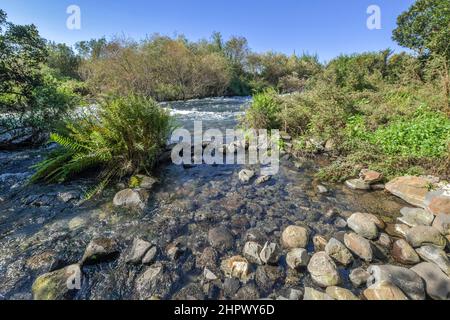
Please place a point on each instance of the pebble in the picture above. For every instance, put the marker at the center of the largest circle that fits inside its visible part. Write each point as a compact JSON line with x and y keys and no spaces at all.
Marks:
{"x":423,"y":235}
{"x":435,"y":255}
{"x":337,"y":250}
{"x":295,"y":237}
{"x":402,"y":252}
{"x":338,"y":293}
{"x":437,"y":284}
{"x":221,"y":238}
{"x":297,"y":258}
{"x":323,"y":270}
{"x":363,"y":225}
{"x":358,"y":277}
{"x":384,"y":291}
{"x":359,"y":246}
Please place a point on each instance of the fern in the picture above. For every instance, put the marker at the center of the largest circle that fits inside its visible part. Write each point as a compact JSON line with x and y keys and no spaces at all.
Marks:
{"x":124,"y":139}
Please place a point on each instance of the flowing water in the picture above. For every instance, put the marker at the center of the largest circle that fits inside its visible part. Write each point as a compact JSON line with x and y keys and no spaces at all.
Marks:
{"x":44,"y":228}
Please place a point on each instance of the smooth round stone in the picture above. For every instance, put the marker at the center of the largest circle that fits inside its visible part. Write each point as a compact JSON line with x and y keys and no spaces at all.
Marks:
{"x":359,"y":246}
{"x":402,"y":252}
{"x":384,"y":291}
{"x":246,"y":175}
{"x":295,"y":237}
{"x":99,"y":250}
{"x":363,"y":225}
{"x":131,"y":198}
{"x":338,"y":293}
{"x":323,"y":270}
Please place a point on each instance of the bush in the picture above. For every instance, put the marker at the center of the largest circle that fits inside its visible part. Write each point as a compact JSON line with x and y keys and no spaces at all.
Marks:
{"x":263,"y":112}
{"x":125,"y":138}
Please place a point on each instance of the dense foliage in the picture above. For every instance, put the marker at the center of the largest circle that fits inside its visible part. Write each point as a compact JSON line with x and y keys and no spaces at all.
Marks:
{"x":124,"y":138}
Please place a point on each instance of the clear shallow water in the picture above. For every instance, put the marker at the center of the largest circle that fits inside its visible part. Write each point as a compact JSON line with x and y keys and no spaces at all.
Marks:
{"x":187,"y":203}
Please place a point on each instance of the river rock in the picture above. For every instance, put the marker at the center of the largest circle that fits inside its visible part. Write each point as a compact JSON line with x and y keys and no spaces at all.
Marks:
{"x":323,"y":270}
{"x":248,"y":292}
{"x":359,"y":246}
{"x":295,"y":237}
{"x":384,"y":241}
{"x":231,"y":286}
{"x":322,"y":189}
{"x":237,"y":267}
{"x":131,"y":198}
{"x":270,"y":253}
{"x":370,"y":176}
{"x":408,"y":281}
{"x":338,"y":293}
{"x":262,"y":179}
{"x":363,"y":225}
{"x":402,"y":252}
{"x":358,"y":277}
{"x":208,"y":259}
{"x":384,"y":290}
{"x":297,"y":258}
{"x":337,"y":250}
{"x":438,"y":202}
{"x":357,"y":184}
{"x":99,"y":250}
{"x":267,"y":276}
{"x":401,"y":229}
{"x":150,"y":256}
{"x":209,"y":275}
{"x":246,"y":175}
{"x":437,"y":284}
{"x":313,"y":294}
{"x":320,"y":243}
{"x":422,"y":235}
{"x":146,"y":182}
{"x":221,"y":238}
{"x":154,"y":281}
{"x":409,"y":188}
{"x":138,"y":250}
{"x":61,"y":284}
{"x":435,"y":255}
{"x":414,"y":217}
{"x":251,"y":252}
{"x":442,"y":223}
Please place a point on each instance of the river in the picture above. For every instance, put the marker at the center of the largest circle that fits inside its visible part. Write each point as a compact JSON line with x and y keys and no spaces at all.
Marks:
{"x":44,"y":228}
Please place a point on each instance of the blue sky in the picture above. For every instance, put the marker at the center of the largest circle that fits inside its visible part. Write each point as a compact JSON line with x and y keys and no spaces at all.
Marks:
{"x":325,"y":27}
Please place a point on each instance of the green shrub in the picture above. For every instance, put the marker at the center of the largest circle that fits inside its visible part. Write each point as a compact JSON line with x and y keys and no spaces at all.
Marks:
{"x":263,"y":112}
{"x":125,"y":138}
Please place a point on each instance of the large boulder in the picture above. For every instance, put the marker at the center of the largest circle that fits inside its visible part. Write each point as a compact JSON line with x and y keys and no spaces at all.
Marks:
{"x":437,"y":284}
{"x":323,"y":270}
{"x":423,"y":235}
{"x":61,"y":284}
{"x":409,"y":188}
{"x":363,"y":225}
{"x":438,"y":202}
{"x":359,"y":246}
{"x":435,"y":255}
{"x":414,"y":217}
{"x":295,"y":237}
{"x":408,"y":281}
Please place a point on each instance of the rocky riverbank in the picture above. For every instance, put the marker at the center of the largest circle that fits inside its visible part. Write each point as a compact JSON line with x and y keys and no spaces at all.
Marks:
{"x":219,"y":232}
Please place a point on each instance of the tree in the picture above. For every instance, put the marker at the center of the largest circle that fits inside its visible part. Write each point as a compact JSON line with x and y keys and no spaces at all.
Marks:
{"x":22,"y":51}
{"x":425,"y":28}
{"x":63,"y":60}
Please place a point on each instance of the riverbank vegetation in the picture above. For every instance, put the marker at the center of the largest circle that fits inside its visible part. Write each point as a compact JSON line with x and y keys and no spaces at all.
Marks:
{"x":381,"y":110}
{"x":384,"y":111}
